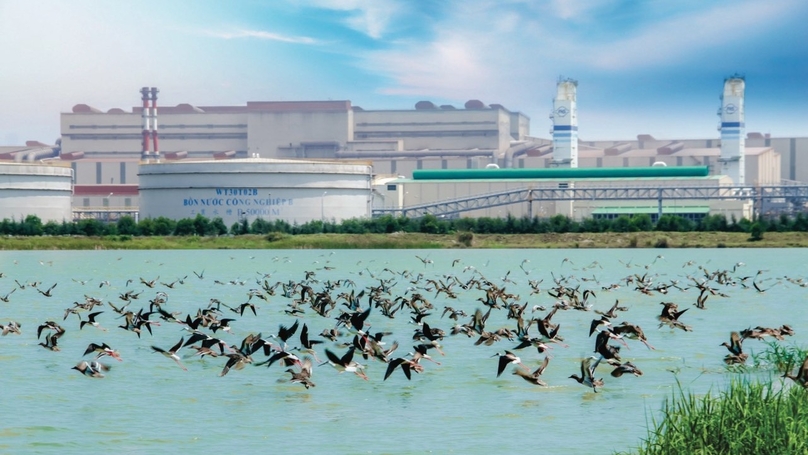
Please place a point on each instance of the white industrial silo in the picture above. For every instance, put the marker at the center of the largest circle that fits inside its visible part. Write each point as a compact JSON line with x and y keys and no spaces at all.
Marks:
{"x":732,"y":129}
{"x":565,"y":125}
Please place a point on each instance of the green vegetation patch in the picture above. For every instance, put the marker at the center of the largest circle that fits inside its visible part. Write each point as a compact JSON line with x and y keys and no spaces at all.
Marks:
{"x":747,"y":418}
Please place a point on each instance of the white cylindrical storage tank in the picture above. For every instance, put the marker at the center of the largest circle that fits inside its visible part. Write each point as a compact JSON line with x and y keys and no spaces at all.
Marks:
{"x":296,"y":191}
{"x":32,"y":189}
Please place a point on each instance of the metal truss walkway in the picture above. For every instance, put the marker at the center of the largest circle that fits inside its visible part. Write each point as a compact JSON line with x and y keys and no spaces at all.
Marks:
{"x":796,"y":196}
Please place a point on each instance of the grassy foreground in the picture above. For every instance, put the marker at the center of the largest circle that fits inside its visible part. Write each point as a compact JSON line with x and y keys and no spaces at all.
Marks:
{"x":415,"y":240}
{"x":747,"y":418}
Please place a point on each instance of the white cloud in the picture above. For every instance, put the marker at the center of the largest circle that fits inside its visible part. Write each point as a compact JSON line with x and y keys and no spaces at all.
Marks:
{"x":262,"y":35}
{"x":449,"y":67}
{"x":371,"y":17}
{"x":471,"y":54}
{"x":476,"y":49}
{"x":571,"y":9}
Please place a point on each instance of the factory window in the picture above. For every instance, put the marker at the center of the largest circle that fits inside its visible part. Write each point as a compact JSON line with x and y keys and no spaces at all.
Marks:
{"x":106,"y":202}
{"x":98,"y":173}
{"x":85,"y":202}
{"x":391,"y":187}
{"x":99,"y":127}
{"x":123,"y":173}
{"x":127,"y":202}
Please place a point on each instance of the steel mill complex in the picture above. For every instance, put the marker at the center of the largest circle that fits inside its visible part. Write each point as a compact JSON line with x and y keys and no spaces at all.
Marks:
{"x":307,"y":160}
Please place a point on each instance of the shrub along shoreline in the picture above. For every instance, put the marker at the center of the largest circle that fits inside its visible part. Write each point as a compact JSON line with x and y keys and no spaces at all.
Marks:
{"x":389,"y":232}
{"x":408,"y":241}
{"x":428,"y":224}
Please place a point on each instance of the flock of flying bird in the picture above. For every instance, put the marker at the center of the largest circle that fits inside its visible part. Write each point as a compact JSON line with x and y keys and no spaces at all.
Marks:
{"x":349,"y":342}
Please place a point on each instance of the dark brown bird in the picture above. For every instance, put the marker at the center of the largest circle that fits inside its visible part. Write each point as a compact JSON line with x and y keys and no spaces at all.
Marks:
{"x":304,"y":375}
{"x":93,"y":369}
{"x":632,"y":332}
{"x":607,"y":351}
{"x":736,"y":354}
{"x":51,"y":341}
{"x":801,"y":377}
{"x":47,"y":293}
{"x":626,"y":368}
{"x":534,"y":377}
{"x":587,"y":377}
{"x":670,"y":316}
{"x":235,"y":361}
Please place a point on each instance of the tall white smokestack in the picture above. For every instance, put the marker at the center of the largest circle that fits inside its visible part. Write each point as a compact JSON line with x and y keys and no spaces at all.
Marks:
{"x":565,"y":125}
{"x":154,"y":92}
{"x":732,"y":129}
{"x":144,"y":120}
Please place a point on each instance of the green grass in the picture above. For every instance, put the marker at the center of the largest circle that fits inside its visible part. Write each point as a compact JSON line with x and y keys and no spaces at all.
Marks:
{"x":779,"y":357}
{"x":746,"y":418}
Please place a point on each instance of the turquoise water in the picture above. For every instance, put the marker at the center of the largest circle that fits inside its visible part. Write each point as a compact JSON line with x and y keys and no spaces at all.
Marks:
{"x":146,"y":403}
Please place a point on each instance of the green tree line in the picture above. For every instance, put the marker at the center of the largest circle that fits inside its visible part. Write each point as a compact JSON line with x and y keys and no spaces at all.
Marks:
{"x":429,"y":224}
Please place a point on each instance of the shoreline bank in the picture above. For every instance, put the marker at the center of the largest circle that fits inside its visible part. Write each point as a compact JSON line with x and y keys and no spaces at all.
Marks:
{"x":402,"y":240}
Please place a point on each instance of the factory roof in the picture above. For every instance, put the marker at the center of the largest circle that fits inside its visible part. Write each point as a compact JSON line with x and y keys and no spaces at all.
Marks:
{"x":711,"y":179}
{"x":257,"y":161}
{"x":561,"y":173}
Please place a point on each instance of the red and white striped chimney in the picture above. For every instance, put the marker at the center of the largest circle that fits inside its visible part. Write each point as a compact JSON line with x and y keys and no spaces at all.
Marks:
{"x":154,"y":92}
{"x":144,"y":117}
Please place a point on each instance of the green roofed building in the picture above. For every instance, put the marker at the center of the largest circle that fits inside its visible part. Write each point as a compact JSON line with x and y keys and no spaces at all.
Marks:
{"x":429,"y":186}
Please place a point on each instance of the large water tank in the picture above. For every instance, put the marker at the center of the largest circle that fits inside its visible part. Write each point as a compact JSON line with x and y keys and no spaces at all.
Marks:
{"x":296,"y":191}
{"x":36,"y":189}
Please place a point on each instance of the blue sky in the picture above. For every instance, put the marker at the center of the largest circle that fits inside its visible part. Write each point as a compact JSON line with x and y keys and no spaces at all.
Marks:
{"x":643,"y":67}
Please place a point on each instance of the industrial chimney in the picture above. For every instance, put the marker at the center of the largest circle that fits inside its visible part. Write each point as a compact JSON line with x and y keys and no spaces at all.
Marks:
{"x":144,"y":117}
{"x":154,"y":92}
{"x":732,"y":129}
{"x":565,"y":125}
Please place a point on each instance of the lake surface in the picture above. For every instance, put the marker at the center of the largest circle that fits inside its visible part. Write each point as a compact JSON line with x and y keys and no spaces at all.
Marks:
{"x":147,"y":404}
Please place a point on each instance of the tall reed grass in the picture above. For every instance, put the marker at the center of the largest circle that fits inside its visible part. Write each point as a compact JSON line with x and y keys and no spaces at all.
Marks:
{"x":779,"y":357}
{"x":749,"y":417}
{"x":746,"y":418}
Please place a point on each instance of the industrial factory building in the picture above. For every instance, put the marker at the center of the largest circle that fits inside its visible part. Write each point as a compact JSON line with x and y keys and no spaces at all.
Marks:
{"x":502,"y":186}
{"x":125,"y":159}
